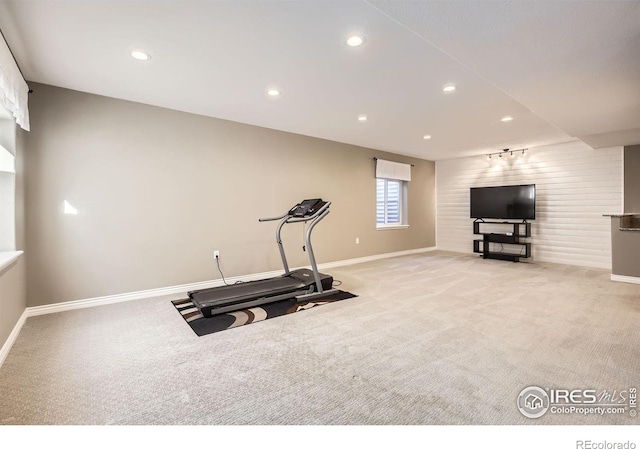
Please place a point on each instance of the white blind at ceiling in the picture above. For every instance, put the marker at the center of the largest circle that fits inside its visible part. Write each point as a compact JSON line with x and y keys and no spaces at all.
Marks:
{"x":14,"y":91}
{"x":393,"y":170}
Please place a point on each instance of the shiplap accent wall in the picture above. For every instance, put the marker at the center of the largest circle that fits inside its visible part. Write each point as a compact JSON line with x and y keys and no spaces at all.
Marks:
{"x":575,"y":185}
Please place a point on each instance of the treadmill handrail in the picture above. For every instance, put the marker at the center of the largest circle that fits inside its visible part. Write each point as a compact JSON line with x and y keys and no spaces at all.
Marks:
{"x":314,"y":218}
{"x":273,"y":218}
{"x":312,"y":258}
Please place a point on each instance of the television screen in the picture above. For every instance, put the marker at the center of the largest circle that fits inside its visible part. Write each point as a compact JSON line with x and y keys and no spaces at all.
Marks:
{"x":505,"y":202}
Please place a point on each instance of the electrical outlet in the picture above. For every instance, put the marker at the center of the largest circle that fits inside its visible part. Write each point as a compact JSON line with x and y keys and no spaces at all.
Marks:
{"x":216,"y":254}
{"x":357,"y":240}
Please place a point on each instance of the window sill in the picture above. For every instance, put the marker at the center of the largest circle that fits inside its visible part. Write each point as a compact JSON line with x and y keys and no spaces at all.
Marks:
{"x":7,"y":258}
{"x":390,"y":227}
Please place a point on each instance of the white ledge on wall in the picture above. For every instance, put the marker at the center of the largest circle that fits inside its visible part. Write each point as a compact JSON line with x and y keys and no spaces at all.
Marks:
{"x":390,"y":227}
{"x":7,"y":258}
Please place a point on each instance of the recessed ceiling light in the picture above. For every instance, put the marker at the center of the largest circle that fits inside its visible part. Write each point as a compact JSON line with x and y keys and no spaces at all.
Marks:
{"x":362,"y":118}
{"x":140,"y":55}
{"x":508,"y":118}
{"x":273,"y":92}
{"x":426,"y":137}
{"x":449,"y":88}
{"x":355,"y":40}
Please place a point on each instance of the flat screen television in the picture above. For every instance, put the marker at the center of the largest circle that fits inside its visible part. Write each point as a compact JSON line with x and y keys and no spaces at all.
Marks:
{"x":504,"y":202}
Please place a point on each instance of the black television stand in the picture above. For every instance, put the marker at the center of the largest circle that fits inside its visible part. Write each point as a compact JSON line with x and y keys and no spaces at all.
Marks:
{"x":503,"y":233}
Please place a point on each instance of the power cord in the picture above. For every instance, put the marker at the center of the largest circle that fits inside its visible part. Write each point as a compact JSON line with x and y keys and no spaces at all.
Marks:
{"x":221,"y":274}
{"x":220,"y":270}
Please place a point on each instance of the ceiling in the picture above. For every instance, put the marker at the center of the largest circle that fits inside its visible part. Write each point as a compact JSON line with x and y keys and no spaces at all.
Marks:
{"x":562,"y":70}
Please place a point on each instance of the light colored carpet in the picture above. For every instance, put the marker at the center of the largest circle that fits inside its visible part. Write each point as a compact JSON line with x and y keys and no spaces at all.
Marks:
{"x":436,"y":338}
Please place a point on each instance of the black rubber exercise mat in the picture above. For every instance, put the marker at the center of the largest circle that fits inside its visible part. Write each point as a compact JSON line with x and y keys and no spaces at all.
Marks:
{"x":203,"y":326}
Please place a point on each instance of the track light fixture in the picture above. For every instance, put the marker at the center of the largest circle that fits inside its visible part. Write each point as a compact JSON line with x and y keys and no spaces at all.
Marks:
{"x":505,"y":151}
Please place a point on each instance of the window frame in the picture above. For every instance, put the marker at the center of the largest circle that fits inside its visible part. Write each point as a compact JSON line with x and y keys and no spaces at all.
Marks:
{"x":403,"y":222}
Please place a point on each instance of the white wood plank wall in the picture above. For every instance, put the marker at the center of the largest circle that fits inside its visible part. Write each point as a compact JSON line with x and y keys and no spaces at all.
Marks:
{"x":575,"y":185}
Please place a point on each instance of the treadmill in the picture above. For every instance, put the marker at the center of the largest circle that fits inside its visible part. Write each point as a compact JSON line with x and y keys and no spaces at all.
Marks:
{"x":302,"y":284}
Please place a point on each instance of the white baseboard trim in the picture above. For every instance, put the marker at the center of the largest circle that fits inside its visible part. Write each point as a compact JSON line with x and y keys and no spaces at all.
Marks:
{"x":343,"y":263}
{"x":576,"y":263}
{"x":123,"y":297}
{"x":6,"y":347}
{"x":627,"y":279}
{"x":184,"y":288}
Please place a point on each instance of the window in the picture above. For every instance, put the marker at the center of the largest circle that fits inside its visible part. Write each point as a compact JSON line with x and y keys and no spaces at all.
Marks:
{"x":387,"y":202}
{"x":390,"y":203}
{"x":7,"y":189}
{"x":392,"y":180}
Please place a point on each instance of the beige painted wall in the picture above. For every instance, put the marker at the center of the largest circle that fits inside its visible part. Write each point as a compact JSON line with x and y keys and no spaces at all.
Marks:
{"x":13,"y":296}
{"x":625,"y":245}
{"x":626,"y":250}
{"x":158,"y":190}
{"x":632,"y":179}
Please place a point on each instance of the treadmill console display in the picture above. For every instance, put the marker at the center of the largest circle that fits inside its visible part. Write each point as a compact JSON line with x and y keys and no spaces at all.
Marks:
{"x":306,"y":207}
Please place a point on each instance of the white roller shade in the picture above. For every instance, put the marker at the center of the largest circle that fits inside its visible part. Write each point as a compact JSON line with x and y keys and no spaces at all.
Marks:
{"x":393,"y":170}
{"x":14,"y":91}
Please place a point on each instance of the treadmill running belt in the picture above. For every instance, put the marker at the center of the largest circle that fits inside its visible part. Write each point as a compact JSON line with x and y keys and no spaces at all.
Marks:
{"x":241,"y":292}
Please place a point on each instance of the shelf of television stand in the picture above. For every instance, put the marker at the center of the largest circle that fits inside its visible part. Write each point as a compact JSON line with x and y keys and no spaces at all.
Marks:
{"x":511,"y":236}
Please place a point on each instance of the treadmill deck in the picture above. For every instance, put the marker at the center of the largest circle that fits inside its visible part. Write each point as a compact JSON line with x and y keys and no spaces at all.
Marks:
{"x":224,"y":298}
